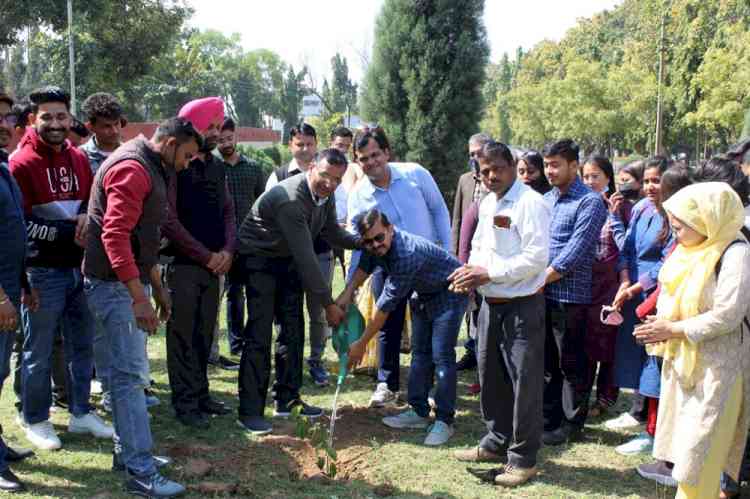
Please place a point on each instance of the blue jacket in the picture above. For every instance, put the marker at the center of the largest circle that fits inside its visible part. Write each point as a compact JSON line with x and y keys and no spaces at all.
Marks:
{"x":12,"y":235}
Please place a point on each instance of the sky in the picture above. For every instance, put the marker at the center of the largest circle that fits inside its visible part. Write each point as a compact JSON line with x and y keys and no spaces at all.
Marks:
{"x":305,"y":32}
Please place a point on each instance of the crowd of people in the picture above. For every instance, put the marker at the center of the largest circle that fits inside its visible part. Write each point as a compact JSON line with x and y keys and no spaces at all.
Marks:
{"x":575,"y":280}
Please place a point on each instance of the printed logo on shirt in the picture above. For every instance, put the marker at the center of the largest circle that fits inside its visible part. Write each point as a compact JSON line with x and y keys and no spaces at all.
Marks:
{"x":41,"y":232}
{"x":62,"y":180}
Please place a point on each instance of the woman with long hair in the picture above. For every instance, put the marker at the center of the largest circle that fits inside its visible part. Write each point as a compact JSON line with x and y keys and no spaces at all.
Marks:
{"x":530,"y":168}
{"x":598,"y":174}
{"x":647,"y":242}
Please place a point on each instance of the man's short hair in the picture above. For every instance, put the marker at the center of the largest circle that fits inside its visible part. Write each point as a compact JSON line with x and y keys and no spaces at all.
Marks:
{"x":332,"y":156}
{"x":101,"y":105}
{"x":369,"y":219}
{"x":341,"y":131}
{"x":79,"y":128}
{"x":565,"y":148}
{"x":48,"y":94}
{"x":6,"y":98}
{"x":303,"y":129}
{"x":179,"y":128}
{"x":493,"y":152}
{"x":22,"y":110}
{"x":228,"y":125}
{"x":377,"y":134}
{"x":480,"y":139}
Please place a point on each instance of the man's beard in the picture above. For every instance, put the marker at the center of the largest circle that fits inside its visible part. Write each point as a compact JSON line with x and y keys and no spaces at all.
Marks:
{"x":46,"y":135}
{"x":208,"y":146}
{"x":227,"y":152}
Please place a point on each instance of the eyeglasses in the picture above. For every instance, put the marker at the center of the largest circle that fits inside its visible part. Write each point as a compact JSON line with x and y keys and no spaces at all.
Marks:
{"x":377,"y":239}
{"x":11,"y":119}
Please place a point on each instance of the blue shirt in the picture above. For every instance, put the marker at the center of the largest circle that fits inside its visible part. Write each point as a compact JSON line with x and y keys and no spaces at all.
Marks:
{"x":643,"y":254}
{"x":12,"y":235}
{"x":414,"y":264}
{"x":412,"y":202}
{"x":577,"y":220}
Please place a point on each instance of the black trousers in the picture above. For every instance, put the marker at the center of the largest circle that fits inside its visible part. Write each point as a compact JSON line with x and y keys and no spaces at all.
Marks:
{"x":567,"y":391}
{"x":273,"y":289}
{"x":510,"y":353}
{"x":195,"y":305}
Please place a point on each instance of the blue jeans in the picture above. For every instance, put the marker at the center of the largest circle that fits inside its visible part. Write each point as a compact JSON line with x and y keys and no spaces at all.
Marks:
{"x":433,"y":351}
{"x":113,"y":309}
{"x":7,"y":339}
{"x":63,"y":303}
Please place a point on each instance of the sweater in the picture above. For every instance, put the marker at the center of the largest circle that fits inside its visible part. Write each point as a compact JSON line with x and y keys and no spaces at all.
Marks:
{"x":55,"y":187}
{"x":284,"y":221}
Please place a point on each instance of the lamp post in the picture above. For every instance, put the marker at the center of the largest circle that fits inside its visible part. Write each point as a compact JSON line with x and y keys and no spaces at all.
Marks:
{"x":71,"y":56}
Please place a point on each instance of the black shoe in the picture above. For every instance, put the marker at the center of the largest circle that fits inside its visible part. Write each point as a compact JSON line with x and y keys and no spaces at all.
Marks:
{"x":561,"y":435}
{"x":16,"y":455}
{"x":214,"y":407}
{"x":256,"y":425}
{"x":10,"y":482}
{"x":659,"y":471}
{"x":196,"y":420}
{"x":468,"y":362}
{"x":284,"y":410}
{"x":226,"y":364}
{"x":159,"y":462}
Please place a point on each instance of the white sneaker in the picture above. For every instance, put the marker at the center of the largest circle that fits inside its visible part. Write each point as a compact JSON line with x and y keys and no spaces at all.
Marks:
{"x":407,"y":420}
{"x":439,"y":433}
{"x":96,"y":386}
{"x":622,"y":422}
{"x":90,"y":423}
{"x":42,"y":435}
{"x":641,"y":444}
{"x":382,"y":396}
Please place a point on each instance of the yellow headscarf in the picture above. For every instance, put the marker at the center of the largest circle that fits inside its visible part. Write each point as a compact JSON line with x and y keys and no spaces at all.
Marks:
{"x":714,"y":210}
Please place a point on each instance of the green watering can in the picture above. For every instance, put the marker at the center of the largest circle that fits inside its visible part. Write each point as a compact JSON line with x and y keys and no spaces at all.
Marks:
{"x":349,"y":331}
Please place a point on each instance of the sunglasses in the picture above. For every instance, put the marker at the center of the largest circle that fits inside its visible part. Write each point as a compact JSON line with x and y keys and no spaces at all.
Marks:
{"x":610,"y":316}
{"x":377,"y":239}
{"x":11,"y":119}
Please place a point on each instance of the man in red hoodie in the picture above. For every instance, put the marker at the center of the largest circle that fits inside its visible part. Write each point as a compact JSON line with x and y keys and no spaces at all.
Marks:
{"x":55,"y":179}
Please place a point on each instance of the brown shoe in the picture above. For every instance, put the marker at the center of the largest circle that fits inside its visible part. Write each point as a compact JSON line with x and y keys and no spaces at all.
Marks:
{"x":514,"y":476}
{"x":477,"y":454}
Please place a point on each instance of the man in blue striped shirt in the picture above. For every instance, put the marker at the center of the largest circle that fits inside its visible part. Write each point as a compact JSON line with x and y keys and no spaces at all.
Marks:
{"x":408,"y":195}
{"x":578,"y":214}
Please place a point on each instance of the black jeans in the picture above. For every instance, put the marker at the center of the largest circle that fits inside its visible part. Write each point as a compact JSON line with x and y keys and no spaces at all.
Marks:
{"x":235,"y":285}
{"x":190,"y":330}
{"x":510,"y":353}
{"x":273,"y":289}
{"x":566,"y":394}
{"x":389,"y":337}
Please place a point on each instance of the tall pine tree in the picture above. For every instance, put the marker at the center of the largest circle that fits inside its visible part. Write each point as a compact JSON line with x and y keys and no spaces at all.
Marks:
{"x":424,"y":84}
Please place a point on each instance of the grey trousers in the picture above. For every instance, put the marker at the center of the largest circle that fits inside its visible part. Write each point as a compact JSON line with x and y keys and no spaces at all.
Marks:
{"x":510,"y":355}
{"x":319,"y":330}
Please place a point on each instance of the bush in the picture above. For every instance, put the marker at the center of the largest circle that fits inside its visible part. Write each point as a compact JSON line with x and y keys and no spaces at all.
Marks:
{"x":260,"y":157}
{"x":273,"y":153}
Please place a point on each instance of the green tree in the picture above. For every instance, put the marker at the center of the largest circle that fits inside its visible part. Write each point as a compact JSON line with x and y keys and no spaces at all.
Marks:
{"x":426,"y":79}
{"x":291,"y":99}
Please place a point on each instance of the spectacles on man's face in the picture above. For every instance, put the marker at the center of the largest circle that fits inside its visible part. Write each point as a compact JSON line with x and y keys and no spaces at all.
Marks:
{"x":377,"y":239}
{"x":10,"y":119}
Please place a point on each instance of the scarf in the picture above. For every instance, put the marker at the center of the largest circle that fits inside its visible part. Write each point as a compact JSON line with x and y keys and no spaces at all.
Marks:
{"x":714,"y":210}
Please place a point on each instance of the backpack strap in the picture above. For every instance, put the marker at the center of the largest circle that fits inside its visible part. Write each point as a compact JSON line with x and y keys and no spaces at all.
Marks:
{"x":745,"y":320}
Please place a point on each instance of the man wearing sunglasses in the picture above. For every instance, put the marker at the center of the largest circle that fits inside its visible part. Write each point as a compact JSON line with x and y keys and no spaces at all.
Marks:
{"x":417,"y":270}
{"x":508,"y":259}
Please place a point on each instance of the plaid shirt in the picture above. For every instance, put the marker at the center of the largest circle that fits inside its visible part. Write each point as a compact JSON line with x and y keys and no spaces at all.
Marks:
{"x":577,"y":220}
{"x":417,"y":267}
{"x":246,"y":183}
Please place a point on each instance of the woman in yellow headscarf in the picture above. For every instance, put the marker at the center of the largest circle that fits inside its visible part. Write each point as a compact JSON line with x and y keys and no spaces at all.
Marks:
{"x":705,"y":286}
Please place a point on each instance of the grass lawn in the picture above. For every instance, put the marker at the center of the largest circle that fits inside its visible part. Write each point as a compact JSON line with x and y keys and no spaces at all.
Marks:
{"x":373,"y":461}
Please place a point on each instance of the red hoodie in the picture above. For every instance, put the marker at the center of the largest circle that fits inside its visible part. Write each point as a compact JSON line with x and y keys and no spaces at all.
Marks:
{"x":56,"y":187}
